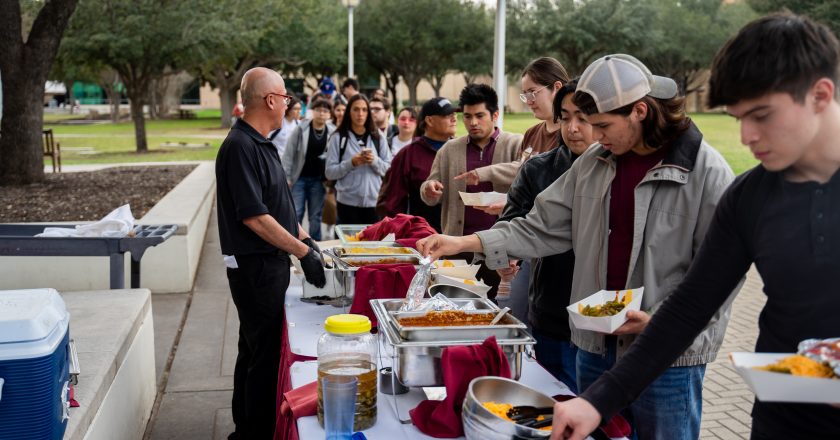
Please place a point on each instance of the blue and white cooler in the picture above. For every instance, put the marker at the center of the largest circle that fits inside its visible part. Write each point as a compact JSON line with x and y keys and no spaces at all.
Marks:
{"x":34,"y":364}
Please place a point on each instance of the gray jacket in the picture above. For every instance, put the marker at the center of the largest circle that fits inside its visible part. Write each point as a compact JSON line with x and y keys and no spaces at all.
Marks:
{"x":295,"y":154}
{"x":357,"y":186}
{"x":674,"y":204}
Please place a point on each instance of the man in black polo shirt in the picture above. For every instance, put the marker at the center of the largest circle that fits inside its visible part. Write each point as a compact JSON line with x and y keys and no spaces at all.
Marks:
{"x":258,"y":230}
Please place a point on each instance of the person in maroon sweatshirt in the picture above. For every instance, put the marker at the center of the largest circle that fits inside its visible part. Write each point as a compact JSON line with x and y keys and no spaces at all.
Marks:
{"x":400,"y":192}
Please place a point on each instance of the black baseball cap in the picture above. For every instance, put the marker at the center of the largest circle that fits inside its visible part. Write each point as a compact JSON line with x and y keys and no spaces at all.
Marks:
{"x":437,"y":107}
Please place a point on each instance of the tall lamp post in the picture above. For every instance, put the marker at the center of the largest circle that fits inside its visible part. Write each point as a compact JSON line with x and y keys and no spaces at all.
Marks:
{"x":350,"y":4}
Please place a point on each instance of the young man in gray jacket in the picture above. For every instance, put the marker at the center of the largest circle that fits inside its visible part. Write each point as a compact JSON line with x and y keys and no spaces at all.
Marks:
{"x":304,"y":161}
{"x":634,"y":208}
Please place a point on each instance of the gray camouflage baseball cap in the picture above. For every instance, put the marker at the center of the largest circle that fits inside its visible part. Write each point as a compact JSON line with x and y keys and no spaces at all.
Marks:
{"x":617,"y":80}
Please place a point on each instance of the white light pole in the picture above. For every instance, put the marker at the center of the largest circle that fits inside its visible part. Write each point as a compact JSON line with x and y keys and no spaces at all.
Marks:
{"x":499,"y":79}
{"x":350,"y":4}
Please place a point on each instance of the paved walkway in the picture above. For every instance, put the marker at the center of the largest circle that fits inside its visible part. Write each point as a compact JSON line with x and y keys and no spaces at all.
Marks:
{"x":202,"y":326}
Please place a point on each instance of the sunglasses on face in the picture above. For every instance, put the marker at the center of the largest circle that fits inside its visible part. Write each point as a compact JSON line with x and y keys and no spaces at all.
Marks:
{"x":407,"y":119}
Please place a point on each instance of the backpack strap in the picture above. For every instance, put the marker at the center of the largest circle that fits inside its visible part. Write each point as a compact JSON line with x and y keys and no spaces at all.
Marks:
{"x":342,"y":146}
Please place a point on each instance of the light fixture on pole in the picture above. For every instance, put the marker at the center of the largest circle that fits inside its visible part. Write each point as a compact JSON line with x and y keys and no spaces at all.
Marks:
{"x":350,"y":5}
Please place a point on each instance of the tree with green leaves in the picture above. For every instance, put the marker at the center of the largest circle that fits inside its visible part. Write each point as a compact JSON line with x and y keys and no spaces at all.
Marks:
{"x":688,"y":34}
{"x":576,"y":32}
{"x":824,"y":11}
{"x":30,"y":33}
{"x":416,"y":40}
{"x":141,"y":40}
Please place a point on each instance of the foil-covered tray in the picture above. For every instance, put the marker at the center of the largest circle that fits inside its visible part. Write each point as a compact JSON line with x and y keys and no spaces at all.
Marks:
{"x":418,"y":363}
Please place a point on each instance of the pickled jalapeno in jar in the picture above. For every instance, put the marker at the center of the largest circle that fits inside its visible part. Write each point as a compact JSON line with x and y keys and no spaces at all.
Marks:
{"x":347,"y":348}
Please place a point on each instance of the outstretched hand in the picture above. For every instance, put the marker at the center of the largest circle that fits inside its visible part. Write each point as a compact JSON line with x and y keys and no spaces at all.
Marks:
{"x":438,"y":245}
{"x":470,"y":177}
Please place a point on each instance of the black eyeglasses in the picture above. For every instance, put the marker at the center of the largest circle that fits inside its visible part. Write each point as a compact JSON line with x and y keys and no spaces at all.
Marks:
{"x":286,"y":98}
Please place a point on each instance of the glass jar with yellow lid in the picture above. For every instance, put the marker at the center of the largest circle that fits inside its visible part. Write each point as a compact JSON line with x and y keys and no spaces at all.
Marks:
{"x":347,"y":348}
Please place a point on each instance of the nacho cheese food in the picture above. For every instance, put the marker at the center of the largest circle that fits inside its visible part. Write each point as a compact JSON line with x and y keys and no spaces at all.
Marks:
{"x":815,"y":358}
{"x":609,"y":308}
{"x":501,"y":410}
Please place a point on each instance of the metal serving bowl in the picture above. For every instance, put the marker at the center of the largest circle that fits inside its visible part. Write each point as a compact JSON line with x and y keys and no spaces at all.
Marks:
{"x":480,"y":423}
{"x":451,"y":291}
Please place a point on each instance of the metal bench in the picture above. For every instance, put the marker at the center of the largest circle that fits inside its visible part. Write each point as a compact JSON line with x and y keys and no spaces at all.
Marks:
{"x":20,"y":240}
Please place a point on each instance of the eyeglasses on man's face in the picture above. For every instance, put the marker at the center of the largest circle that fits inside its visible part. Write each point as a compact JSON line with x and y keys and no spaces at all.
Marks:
{"x":286,"y":98}
{"x":530,"y":96}
{"x":377,"y":109}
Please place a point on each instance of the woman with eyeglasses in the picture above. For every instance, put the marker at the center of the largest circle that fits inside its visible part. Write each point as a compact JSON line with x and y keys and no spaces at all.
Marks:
{"x":406,"y":123}
{"x":541,"y":80}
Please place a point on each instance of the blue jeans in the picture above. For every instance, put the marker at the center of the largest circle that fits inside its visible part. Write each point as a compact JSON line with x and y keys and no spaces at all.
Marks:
{"x":670,"y":407}
{"x":310,"y":191}
{"x":558,"y":357}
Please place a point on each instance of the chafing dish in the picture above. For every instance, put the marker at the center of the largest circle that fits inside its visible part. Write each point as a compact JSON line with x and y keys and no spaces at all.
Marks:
{"x":344,"y":275}
{"x":351,"y":250}
{"x":509,"y":328}
{"x":417,"y":362}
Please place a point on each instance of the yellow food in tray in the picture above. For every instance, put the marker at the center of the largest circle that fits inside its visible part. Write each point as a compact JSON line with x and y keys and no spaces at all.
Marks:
{"x":383,"y":250}
{"x":501,"y":410}
{"x":799,"y":365}
{"x":355,"y":237}
{"x":609,"y":308}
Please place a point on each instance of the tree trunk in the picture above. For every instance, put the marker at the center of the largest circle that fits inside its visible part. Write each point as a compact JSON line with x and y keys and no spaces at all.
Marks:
{"x":21,"y":150}
{"x":437,"y":83}
{"x":109,"y":81}
{"x":227,"y":96}
{"x":136,"y":103}
{"x":152,"y":99}
{"x":25,"y":67}
{"x":68,"y":97}
{"x":391,"y":85}
{"x":412,"y":81}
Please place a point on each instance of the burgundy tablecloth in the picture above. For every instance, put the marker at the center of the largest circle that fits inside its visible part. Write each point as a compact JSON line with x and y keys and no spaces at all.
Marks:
{"x":286,"y":427}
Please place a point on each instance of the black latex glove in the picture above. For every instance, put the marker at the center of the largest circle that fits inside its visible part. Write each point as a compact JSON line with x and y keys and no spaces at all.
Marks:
{"x":311,"y":243}
{"x":313,"y":269}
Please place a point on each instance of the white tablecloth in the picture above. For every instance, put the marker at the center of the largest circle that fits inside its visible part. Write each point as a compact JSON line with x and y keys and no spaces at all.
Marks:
{"x":306,"y":324}
{"x":387,"y":424}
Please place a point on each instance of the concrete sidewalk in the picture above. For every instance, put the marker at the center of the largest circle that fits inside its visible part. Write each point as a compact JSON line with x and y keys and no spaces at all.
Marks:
{"x":199,"y":330}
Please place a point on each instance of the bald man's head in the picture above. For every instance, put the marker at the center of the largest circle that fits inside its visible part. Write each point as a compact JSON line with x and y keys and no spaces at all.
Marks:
{"x":258,"y":82}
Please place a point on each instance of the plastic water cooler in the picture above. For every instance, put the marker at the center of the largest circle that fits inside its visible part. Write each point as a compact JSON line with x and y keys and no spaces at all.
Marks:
{"x":34,"y":365}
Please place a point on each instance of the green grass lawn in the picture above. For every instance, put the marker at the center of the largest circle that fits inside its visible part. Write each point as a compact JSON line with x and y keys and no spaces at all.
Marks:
{"x":114,"y":143}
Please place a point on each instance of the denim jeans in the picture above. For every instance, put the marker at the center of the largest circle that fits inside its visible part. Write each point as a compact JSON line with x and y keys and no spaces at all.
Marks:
{"x":309,"y":191}
{"x":669,"y":408}
{"x":558,"y":357}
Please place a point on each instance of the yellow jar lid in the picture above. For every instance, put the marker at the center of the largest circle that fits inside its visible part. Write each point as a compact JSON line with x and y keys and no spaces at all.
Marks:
{"x":347,"y":324}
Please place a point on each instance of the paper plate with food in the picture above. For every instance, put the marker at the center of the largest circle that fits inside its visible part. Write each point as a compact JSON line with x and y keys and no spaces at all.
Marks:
{"x":811,"y":375}
{"x":606,"y":310}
